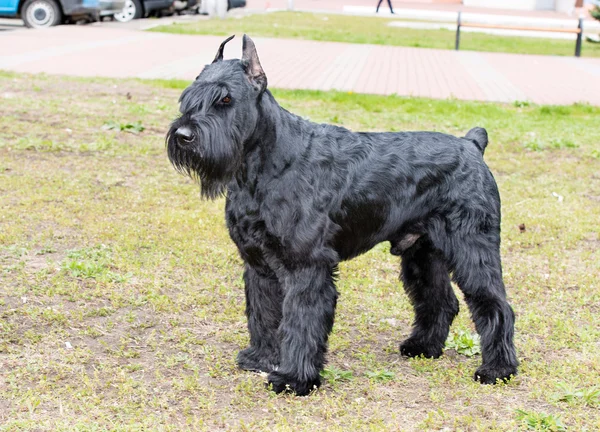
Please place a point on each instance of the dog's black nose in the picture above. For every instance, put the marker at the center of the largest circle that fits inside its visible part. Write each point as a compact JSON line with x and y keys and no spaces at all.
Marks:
{"x":184,"y":135}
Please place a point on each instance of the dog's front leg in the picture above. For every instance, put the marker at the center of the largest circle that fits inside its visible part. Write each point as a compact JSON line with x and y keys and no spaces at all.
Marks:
{"x":264,"y":298}
{"x":308,"y":313}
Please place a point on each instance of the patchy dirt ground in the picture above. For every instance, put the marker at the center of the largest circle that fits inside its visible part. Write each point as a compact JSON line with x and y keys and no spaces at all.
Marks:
{"x":121,"y":299}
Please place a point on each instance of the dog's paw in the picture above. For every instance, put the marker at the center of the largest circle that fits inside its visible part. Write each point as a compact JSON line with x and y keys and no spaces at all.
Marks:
{"x":279,"y":383}
{"x":413,"y":348}
{"x":251,"y":360}
{"x":488,"y":375}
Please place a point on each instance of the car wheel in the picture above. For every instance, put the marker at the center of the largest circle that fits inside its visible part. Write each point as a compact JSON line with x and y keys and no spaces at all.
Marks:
{"x":132,"y":10}
{"x":41,"y":13}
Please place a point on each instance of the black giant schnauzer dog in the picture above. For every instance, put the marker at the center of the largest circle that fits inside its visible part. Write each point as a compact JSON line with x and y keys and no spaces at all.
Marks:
{"x":301,"y":197}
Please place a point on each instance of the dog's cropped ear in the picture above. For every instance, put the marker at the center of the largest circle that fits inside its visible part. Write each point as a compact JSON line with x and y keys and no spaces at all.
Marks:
{"x":254,"y":70}
{"x":219,"y":56}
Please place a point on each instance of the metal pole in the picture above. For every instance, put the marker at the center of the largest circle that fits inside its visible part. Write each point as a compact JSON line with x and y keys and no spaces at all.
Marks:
{"x":291,"y":5}
{"x":457,"y":44}
{"x":579,"y":38}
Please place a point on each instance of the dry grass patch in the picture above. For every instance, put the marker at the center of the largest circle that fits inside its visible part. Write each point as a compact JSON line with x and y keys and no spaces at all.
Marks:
{"x":121,"y":299}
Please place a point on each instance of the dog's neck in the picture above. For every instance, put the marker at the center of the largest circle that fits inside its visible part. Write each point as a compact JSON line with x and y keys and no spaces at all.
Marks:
{"x":278,"y":131}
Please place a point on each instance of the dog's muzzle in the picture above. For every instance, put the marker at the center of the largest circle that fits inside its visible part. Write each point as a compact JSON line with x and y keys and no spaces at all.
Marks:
{"x":184,"y":136}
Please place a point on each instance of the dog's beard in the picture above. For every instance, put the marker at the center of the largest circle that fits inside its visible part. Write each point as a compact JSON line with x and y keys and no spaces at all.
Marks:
{"x":211,"y":160}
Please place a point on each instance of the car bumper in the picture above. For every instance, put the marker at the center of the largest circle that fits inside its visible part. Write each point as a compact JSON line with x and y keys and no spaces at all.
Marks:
{"x":151,"y":5}
{"x":80,"y":7}
{"x":111,"y":7}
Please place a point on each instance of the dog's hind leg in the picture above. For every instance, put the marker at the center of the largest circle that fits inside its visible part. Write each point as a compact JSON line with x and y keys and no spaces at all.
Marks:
{"x":426,"y":281}
{"x":264,"y":299}
{"x":478,"y":273}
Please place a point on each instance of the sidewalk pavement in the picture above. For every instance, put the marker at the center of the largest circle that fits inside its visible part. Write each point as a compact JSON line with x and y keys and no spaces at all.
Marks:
{"x":298,"y":64}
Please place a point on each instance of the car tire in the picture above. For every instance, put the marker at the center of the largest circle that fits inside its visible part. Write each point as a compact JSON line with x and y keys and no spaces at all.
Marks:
{"x":133,"y":10}
{"x":41,"y":13}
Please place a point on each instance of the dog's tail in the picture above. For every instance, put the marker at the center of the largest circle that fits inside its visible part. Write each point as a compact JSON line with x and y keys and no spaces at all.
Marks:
{"x":479,"y":137}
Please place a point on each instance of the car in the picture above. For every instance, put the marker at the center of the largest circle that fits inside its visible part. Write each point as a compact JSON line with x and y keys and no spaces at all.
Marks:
{"x":191,"y":7}
{"x":47,"y":13}
{"x":205,"y":6}
{"x":111,"y":7}
{"x":135,"y":9}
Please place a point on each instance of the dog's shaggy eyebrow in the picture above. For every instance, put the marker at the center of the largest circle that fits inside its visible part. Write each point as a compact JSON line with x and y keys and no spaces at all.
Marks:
{"x":202,"y":95}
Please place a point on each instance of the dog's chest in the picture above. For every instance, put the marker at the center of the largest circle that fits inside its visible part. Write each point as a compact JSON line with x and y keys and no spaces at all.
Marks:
{"x":246,"y":226}
{"x":270,"y":226}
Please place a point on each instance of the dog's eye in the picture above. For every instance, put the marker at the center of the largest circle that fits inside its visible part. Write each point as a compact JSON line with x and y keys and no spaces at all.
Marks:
{"x":226,"y":100}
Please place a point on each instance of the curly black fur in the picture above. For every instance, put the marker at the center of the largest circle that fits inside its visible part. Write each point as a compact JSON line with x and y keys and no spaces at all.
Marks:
{"x":301,"y":197}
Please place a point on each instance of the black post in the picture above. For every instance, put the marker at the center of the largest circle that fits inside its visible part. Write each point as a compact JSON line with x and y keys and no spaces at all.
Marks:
{"x":579,"y":38}
{"x":457,"y":45}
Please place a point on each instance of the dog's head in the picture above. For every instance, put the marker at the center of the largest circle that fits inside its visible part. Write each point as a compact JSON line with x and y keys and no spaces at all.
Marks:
{"x":219,"y":113}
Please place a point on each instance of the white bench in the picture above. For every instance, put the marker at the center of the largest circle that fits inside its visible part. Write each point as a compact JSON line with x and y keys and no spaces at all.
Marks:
{"x":578,"y":31}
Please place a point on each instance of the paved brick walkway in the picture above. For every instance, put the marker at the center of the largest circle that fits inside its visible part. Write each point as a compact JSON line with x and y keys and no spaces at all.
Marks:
{"x":115,"y":52}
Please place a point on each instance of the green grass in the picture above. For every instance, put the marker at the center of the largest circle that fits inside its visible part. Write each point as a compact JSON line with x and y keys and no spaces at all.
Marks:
{"x":587,"y":396}
{"x":464,"y":342}
{"x":372,"y":30}
{"x":122,"y":302}
{"x":541,"y":421}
